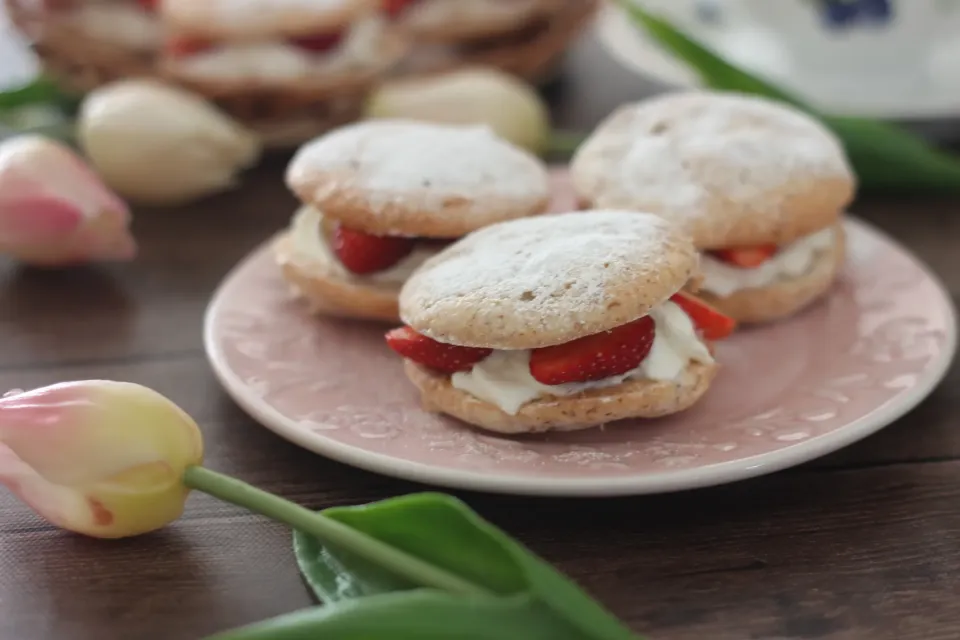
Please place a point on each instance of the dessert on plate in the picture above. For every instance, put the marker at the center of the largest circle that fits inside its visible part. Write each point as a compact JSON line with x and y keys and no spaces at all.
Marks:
{"x":382,"y":196}
{"x":87,"y":43}
{"x":560,"y":322}
{"x":288,"y":68}
{"x":524,"y":37}
{"x":760,"y":186}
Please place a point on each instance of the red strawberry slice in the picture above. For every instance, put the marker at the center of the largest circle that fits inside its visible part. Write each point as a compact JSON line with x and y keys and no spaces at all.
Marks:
{"x":319,"y":43}
{"x":746,"y":257}
{"x":182,"y":46}
{"x":363,"y":253}
{"x":595,"y":357}
{"x":149,"y":5}
{"x":712,"y":324}
{"x":394,"y":8}
{"x":445,"y":358}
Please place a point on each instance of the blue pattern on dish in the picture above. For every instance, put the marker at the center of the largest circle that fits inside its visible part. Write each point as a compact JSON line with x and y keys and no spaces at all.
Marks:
{"x":845,"y":14}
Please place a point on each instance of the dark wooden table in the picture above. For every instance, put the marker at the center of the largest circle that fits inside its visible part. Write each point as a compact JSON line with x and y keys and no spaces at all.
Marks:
{"x":864,"y":544}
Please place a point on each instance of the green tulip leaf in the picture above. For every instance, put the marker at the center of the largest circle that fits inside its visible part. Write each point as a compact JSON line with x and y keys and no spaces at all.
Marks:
{"x":884,"y":156}
{"x":416,"y":615}
{"x":40,"y":91}
{"x":445,"y":533}
{"x":38,"y":107}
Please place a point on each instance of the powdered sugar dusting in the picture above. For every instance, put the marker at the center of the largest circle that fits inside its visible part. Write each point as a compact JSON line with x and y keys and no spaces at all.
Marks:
{"x":435,"y":164}
{"x":551,"y":274}
{"x":682,"y":155}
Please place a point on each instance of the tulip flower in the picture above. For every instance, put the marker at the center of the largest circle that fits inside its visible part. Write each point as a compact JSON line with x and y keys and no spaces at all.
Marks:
{"x":100,"y":458}
{"x":54,"y":210}
{"x":158,"y":144}
{"x":115,"y":459}
{"x":510,"y":107}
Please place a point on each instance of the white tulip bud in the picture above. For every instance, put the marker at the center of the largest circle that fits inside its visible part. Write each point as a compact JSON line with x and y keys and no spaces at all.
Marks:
{"x":157,"y":144}
{"x":510,"y":107}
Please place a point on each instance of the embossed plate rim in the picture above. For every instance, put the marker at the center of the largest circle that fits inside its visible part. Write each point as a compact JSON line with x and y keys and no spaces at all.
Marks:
{"x":549,"y":485}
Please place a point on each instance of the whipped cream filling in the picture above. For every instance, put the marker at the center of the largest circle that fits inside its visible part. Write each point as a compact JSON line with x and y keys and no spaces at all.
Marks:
{"x":123,"y":24}
{"x":504,"y":378}
{"x":791,"y":261}
{"x":285,"y":61}
{"x":310,"y":245}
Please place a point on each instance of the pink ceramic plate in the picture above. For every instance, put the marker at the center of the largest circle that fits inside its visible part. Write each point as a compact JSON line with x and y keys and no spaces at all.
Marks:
{"x":788,"y":393}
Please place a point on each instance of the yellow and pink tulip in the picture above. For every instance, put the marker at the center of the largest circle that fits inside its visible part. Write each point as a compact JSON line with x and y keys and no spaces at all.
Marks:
{"x":101,"y":458}
{"x":54,"y":210}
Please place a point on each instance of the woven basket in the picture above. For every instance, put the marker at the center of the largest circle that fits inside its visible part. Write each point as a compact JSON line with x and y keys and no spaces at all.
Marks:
{"x":541,"y":56}
{"x":536,"y":59}
{"x":252,"y":101}
{"x":70,"y":56}
{"x":287,"y":115}
{"x":284,"y":117}
{"x":297,"y":127}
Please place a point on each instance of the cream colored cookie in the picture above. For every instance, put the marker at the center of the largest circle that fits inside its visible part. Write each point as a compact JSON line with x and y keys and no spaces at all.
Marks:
{"x":632,"y":399}
{"x":329,"y":293}
{"x":734,"y":170}
{"x":547,"y":280}
{"x":450,"y":21}
{"x":258,"y":20}
{"x":785,"y":298}
{"x":394,"y":177}
{"x":236,"y":70}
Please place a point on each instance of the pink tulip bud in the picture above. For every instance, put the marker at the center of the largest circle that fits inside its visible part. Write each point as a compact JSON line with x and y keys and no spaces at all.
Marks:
{"x":54,"y":210}
{"x":100,"y":458}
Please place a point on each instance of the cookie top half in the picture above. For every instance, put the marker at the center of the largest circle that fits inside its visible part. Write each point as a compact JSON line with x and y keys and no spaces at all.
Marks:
{"x":547,"y":280}
{"x":395,"y":177}
{"x":733,"y":170}
{"x":259,"y":19}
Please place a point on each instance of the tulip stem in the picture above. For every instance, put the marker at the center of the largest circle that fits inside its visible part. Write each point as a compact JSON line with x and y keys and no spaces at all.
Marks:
{"x":327,"y":530}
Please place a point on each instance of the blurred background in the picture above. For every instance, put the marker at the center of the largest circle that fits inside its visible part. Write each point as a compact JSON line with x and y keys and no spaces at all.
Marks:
{"x":883,"y":62}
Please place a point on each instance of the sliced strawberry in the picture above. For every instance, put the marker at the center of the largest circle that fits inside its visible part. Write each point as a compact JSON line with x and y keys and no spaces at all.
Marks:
{"x":746,"y":257}
{"x":149,"y":5}
{"x":363,"y":253}
{"x":394,"y":8}
{"x":181,"y":46}
{"x":319,"y":43}
{"x":595,"y":357}
{"x":445,"y":358}
{"x":712,"y":324}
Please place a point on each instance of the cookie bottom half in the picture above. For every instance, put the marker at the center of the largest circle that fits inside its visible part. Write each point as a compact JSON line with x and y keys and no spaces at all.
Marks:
{"x":327,"y":293}
{"x":785,"y":298}
{"x":532,"y":51}
{"x":632,"y":399}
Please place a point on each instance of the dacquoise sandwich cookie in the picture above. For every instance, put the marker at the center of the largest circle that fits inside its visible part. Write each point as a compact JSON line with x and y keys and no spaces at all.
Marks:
{"x":381,"y":197}
{"x":523,"y":37}
{"x":559,"y":322}
{"x":291,"y":69}
{"x":760,"y":186}
{"x":84,"y":44}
